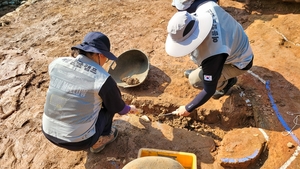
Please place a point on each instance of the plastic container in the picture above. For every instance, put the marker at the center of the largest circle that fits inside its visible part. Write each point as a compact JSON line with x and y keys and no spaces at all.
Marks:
{"x":187,"y":160}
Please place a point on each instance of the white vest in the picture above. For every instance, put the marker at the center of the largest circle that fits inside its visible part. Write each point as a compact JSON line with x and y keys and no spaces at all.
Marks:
{"x":226,"y":36}
{"x":73,"y":103}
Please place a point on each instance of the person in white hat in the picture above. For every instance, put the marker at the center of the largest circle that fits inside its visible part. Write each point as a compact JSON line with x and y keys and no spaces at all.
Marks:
{"x":219,"y":46}
{"x":83,"y":98}
{"x":189,"y":5}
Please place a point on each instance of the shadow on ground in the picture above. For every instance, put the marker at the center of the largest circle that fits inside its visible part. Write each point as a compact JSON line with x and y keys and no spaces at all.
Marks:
{"x":7,"y":6}
{"x":154,"y":85}
{"x":269,"y":106}
{"x":261,"y":10}
{"x":135,"y":133}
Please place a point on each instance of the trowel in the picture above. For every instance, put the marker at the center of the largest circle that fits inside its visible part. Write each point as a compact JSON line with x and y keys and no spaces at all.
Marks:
{"x":168,"y":114}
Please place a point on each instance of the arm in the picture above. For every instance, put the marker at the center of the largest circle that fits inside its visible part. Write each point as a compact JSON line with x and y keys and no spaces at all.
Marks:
{"x":112,"y":99}
{"x":211,"y":66}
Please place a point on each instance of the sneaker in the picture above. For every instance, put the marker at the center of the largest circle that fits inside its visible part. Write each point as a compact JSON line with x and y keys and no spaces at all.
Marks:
{"x":188,"y":72}
{"x":104,"y":140}
{"x":219,"y":93}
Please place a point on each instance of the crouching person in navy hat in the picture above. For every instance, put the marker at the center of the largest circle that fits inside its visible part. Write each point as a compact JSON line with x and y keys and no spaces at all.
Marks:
{"x":82,"y":98}
{"x":216,"y":43}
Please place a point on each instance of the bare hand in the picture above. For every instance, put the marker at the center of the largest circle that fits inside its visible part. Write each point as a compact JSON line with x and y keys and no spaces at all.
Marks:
{"x":181,"y":111}
{"x":133,"y":109}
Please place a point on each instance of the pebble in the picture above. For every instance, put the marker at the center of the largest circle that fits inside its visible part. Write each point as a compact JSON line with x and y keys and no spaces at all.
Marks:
{"x":290,"y":145}
{"x":145,"y":118}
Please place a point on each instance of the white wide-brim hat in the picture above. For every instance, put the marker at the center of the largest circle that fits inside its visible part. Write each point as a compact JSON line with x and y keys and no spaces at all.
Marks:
{"x":183,"y":4}
{"x":186,"y":32}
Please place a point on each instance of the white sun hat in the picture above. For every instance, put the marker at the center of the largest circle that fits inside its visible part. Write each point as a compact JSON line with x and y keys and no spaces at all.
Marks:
{"x":186,"y":32}
{"x":183,"y":4}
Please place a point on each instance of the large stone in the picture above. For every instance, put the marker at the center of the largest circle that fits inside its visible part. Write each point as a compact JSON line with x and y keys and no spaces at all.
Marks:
{"x":152,"y":162}
{"x":241,"y":147}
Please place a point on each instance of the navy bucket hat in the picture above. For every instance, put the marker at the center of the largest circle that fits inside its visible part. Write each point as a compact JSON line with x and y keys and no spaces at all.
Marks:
{"x":96,"y":42}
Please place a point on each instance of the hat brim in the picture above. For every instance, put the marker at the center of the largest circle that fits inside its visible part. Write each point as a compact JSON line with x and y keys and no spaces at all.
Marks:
{"x":183,"y":6}
{"x":179,"y":49}
{"x":88,"y":48}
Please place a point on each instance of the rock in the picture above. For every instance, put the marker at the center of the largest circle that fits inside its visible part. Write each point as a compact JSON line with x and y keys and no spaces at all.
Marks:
{"x":290,"y":145}
{"x":241,"y":147}
{"x":145,"y":118}
{"x":151,"y":162}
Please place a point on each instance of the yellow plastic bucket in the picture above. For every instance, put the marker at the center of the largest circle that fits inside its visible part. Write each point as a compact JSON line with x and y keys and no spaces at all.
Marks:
{"x":187,"y":160}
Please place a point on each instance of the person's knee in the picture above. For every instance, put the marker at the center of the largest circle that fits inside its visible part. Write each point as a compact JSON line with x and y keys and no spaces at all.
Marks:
{"x":195,"y":79}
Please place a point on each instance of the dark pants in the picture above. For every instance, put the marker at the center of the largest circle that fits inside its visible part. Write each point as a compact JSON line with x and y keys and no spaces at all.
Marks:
{"x":103,"y":127}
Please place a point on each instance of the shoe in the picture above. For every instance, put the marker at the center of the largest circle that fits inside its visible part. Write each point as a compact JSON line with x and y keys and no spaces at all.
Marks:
{"x":219,"y":93}
{"x":104,"y":140}
{"x":188,"y":72}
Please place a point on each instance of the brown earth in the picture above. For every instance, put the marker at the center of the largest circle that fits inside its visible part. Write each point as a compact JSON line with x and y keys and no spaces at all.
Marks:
{"x":35,"y":33}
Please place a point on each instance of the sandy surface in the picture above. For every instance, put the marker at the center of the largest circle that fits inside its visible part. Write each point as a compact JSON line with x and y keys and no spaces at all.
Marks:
{"x":37,"y":32}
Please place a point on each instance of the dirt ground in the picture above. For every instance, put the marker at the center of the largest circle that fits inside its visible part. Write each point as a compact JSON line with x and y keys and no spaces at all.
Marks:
{"x":35,"y":33}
